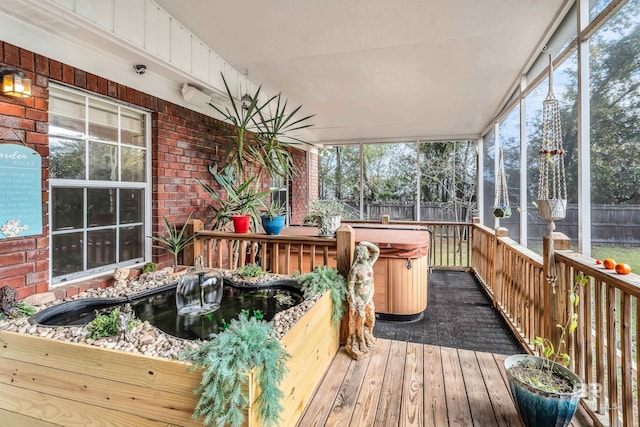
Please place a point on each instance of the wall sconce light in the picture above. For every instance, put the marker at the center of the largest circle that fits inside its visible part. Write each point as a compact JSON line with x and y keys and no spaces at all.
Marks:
{"x":15,"y":83}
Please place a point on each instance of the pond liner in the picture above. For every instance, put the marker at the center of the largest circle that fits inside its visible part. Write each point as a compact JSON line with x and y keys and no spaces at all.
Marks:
{"x":68,"y":309}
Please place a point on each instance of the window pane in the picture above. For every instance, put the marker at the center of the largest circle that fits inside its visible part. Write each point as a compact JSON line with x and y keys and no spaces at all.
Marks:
{"x":101,"y":207}
{"x":132,"y":131}
{"x":510,"y":146}
{"x":615,"y":136}
{"x":101,"y":248}
{"x":133,"y":164}
{"x":66,"y":113}
{"x":339,"y":177}
{"x":67,"y":253}
{"x":66,"y":211}
{"x":103,"y":161}
{"x":447,"y":180}
{"x":131,"y":243}
{"x":389,"y":181}
{"x":131,"y":206}
{"x":67,"y":158}
{"x":103,"y":120}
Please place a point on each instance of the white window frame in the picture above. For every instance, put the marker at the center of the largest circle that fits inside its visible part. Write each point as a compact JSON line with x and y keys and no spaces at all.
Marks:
{"x":146,"y":186}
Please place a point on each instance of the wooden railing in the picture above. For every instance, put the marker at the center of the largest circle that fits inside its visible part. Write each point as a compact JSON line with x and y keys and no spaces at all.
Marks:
{"x":282,"y":254}
{"x":605,"y":348}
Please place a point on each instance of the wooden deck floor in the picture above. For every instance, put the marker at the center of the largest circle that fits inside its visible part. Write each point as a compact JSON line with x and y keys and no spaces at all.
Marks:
{"x":418,"y":385}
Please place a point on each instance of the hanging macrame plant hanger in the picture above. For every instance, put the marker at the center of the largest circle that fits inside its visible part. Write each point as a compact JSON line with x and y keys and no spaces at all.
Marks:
{"x":552,"y":183}
{"x":501,"y":207}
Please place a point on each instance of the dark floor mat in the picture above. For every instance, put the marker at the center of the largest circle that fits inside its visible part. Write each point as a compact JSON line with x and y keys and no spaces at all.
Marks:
{"x":459,"y":314}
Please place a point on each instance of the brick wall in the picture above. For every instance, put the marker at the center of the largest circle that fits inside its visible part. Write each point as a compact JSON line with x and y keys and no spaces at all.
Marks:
{"x":184,"y":144}
{"x":314,"y":160}
{"x":24,"y":262}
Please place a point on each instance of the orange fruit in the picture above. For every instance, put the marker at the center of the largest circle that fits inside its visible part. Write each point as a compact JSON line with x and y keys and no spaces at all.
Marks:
{"x":609,"y":263}
{"x":623,"y":269}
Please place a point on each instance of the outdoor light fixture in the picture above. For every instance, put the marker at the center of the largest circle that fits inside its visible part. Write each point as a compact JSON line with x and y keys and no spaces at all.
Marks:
{"x":14,"y":83}
{"x":195,"y":96}
{"x":245,"y":101}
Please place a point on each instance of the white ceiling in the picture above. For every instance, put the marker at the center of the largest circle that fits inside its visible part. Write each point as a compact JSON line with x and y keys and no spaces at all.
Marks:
{"x":373,"y":70}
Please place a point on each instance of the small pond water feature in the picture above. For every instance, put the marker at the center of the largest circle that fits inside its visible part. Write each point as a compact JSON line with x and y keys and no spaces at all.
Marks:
{"x":201,"y":310}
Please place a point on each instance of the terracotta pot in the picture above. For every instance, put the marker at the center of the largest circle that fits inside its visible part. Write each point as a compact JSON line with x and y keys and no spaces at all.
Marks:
{"x":241,"y":223}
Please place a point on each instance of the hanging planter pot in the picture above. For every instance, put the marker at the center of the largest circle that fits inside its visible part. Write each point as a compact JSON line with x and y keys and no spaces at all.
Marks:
{"x":501,"y":204}
{"x":502,"y":212}
{"x":241,"y":223}
{"x":552,"y":209}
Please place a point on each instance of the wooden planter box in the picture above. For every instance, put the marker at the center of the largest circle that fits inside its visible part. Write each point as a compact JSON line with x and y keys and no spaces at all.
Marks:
{"x":45,"y":381}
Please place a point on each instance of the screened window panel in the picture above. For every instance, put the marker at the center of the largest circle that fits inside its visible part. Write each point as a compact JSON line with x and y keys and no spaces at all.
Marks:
{"x":510,"y":146}
{"x":339,"y":177}
{"x":615,"y":136}
{"x":488,"y":177}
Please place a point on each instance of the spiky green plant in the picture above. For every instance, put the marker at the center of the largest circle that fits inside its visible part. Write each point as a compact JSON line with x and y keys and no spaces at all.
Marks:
{"x":324,"y":278}
{"x":174,"y":242}
{"x":246,"y":344}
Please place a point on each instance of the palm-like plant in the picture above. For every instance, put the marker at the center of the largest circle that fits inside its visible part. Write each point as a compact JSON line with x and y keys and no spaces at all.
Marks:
{"x":242,"y":199}
{"x":259,"y":129}
{"x":175,"y":241}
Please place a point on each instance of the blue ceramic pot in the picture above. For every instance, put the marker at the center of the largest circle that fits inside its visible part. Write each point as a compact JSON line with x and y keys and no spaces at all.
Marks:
{"x":539,"y":408}
{"x":273,"y":226}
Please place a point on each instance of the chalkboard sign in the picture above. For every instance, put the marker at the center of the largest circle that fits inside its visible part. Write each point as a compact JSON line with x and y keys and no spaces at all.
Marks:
{"x":20,"y":191}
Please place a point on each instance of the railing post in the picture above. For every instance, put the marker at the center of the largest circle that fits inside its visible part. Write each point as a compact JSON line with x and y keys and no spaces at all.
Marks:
{"x":190,"y":253}
{"x":476,"y":256}
{"x":498,"y":262}
{"x":345,"y":248}
{"x":555,"y":304}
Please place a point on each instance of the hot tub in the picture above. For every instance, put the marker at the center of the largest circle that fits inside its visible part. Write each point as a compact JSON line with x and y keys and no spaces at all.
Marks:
{"x":400,"y":274}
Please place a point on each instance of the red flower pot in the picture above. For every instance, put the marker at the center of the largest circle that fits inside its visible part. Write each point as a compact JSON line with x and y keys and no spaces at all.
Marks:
{"x":241,"y":223}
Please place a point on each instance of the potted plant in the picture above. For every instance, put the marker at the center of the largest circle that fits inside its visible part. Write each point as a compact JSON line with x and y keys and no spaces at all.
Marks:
{"x":241,"y":204}
{"x":174,"y":241}
{"x":328,"y":214}
{"x":273,"y":218}
{"x":545,"y":391}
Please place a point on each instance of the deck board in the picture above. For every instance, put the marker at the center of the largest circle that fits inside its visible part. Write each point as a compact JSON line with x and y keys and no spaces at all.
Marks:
{"x":410,"y":384}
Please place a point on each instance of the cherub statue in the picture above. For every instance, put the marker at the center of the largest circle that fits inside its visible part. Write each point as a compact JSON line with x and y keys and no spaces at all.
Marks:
{"x":124,"y":317}
{"x":362,"y":313}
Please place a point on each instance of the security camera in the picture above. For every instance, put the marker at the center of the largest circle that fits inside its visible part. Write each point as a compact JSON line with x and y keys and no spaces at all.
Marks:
{"x":140,"y":68}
